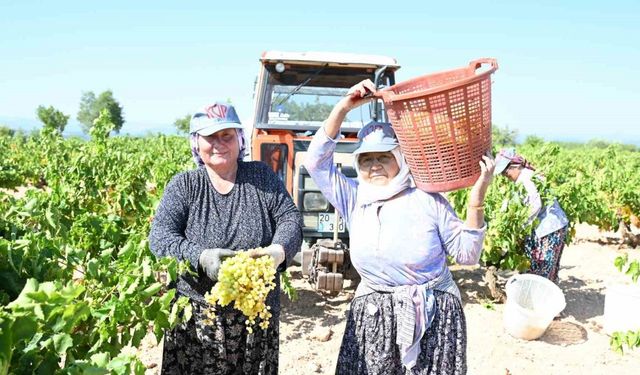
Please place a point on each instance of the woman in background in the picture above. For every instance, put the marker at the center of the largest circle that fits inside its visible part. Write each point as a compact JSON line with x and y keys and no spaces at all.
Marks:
{"x":544,"y":246}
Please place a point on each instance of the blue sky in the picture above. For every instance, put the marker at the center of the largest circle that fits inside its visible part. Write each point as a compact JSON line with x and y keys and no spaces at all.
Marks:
{"x":568,"y":69}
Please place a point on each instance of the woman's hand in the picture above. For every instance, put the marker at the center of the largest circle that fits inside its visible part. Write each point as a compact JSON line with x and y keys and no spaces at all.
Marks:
{"x":211,"y":259}
{"x":487,"y":167}
{"x":275,"y":251}
{"x":356,"y":95}
{"x":479,"y":189}
{"x":355,"y":98}
{"x":475,"y":208}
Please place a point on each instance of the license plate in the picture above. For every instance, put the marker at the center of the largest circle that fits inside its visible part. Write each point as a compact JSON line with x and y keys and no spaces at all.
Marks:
{"x":327,"y":221}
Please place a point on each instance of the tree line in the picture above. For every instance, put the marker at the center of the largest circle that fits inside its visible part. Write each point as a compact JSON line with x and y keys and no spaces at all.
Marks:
{"x":91,"y":106}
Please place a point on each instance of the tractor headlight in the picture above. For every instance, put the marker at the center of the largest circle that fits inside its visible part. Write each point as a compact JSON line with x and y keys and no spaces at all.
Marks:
{"x":314,"y":201}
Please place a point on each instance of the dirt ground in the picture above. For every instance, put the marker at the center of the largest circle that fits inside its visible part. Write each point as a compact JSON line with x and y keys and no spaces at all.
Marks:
{"x":311,"y":328}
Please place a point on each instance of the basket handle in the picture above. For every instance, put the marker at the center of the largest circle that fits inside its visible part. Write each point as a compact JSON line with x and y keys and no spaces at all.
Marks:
{"x":477,"y":64}
{"x":389,"y":96}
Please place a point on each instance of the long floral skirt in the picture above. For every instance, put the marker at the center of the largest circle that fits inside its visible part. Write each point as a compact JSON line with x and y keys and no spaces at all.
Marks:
{"x":544,"y":253}
{"x":369,"y":341}
{"x":223,"y":348}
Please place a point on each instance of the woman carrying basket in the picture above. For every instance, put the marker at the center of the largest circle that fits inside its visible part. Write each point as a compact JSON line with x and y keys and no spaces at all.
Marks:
{"x":544,"y":246}
{"x":406,"y":316}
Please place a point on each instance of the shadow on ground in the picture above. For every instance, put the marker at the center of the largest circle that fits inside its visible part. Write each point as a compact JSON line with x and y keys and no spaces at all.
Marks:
{"x":311,"y":303}
{"x":564,"y":334}
{"x":473,"y":288}
{"x":583,"y":303}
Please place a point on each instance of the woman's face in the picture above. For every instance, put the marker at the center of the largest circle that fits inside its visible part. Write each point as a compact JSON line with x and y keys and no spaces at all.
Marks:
{"x":378,"y":168}
{"x":512,"y":172}
{"x":220,"y":148}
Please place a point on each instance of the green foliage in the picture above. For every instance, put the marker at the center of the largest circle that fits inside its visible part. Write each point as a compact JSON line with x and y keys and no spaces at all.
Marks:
{"x":308,"y":111}
{"x":6,"y":131}
{"x":503,"y":137}
{"x":632,"y":269}
{"x":592,"y":186}
{"x":533,"y":141}
{"x":594,"y":143}
{"x":602,"y":144}
{"x":488,"y":304}
{"x":53,"y":120}
{"x":14,"y":164}
{"x":79,"y":246}
{"x":91,"y":107}
{"x":102,"y":126}
{"x":78,"y":282}
{"x":287,"y":288}
{"x":182,"y":123}
{"x":110,"y":297}
{"x":630,"y":339}
{"x":507,"y":226}
{"x":88,"y":111}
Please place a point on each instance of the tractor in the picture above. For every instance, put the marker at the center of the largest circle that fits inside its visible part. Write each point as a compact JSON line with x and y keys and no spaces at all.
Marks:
{"x":294,"y":93}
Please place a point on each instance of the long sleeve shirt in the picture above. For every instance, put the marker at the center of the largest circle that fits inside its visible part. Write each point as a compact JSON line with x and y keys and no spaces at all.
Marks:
{"x":193,"y":216}
{"x":401,"y":241}
{"x":552,"y":217}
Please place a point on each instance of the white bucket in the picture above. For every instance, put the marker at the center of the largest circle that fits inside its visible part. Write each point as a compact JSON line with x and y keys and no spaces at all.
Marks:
{"x":532,"y":303}
{"x":621,"y":307}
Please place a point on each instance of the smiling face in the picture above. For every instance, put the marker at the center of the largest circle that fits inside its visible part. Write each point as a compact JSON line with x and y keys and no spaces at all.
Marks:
{"x":219,"y":149}
{"x":378,"y":168}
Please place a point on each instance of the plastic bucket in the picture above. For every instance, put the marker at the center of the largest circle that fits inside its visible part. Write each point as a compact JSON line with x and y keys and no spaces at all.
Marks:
{"x":621,"y":307}
{"x":532,"y":303}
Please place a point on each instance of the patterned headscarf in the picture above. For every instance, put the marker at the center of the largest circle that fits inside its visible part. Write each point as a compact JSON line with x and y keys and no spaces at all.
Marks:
{"x":507,"y":157}
{"x":520,"y":160}
{"x":193,"y":140}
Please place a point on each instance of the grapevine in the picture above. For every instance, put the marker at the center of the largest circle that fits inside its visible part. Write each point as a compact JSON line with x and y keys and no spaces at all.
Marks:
{"x":630,"y":338}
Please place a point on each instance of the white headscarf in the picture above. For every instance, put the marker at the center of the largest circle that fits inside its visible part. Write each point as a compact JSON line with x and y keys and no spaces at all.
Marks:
{"x":369,"y":193}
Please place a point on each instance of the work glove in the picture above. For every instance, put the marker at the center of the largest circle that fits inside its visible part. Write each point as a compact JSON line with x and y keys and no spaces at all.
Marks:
{"x":211,"y":259}
{"x":275,"y":251}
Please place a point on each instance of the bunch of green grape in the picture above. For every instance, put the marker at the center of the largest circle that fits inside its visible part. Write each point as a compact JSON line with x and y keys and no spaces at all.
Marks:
{"x":245,"y":281}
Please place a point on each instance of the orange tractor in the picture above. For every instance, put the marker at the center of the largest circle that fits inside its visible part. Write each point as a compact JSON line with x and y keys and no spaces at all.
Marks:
{"x":294,"y":94}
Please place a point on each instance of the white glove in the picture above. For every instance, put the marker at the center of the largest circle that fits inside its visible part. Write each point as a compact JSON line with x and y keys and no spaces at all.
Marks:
{"x":211,"y":259}
{"x":275,"y":251}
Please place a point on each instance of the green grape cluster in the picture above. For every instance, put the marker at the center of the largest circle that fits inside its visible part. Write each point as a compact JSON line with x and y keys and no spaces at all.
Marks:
{"x":245,"y":281}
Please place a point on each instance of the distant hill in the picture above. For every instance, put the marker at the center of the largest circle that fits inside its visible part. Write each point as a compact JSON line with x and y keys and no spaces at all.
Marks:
{"x":585,"y":138}
{"x":73,"y":128}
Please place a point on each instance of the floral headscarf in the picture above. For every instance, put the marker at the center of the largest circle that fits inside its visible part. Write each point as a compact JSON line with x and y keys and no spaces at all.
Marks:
{"x":507,"y":157}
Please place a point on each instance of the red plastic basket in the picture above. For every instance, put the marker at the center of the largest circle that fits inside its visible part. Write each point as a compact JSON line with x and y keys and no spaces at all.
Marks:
{"x":443,"y":124}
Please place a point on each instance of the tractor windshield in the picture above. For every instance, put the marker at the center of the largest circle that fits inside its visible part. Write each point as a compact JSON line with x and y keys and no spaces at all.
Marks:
{"x":311,"y":104}
{"x":304,"y":96}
